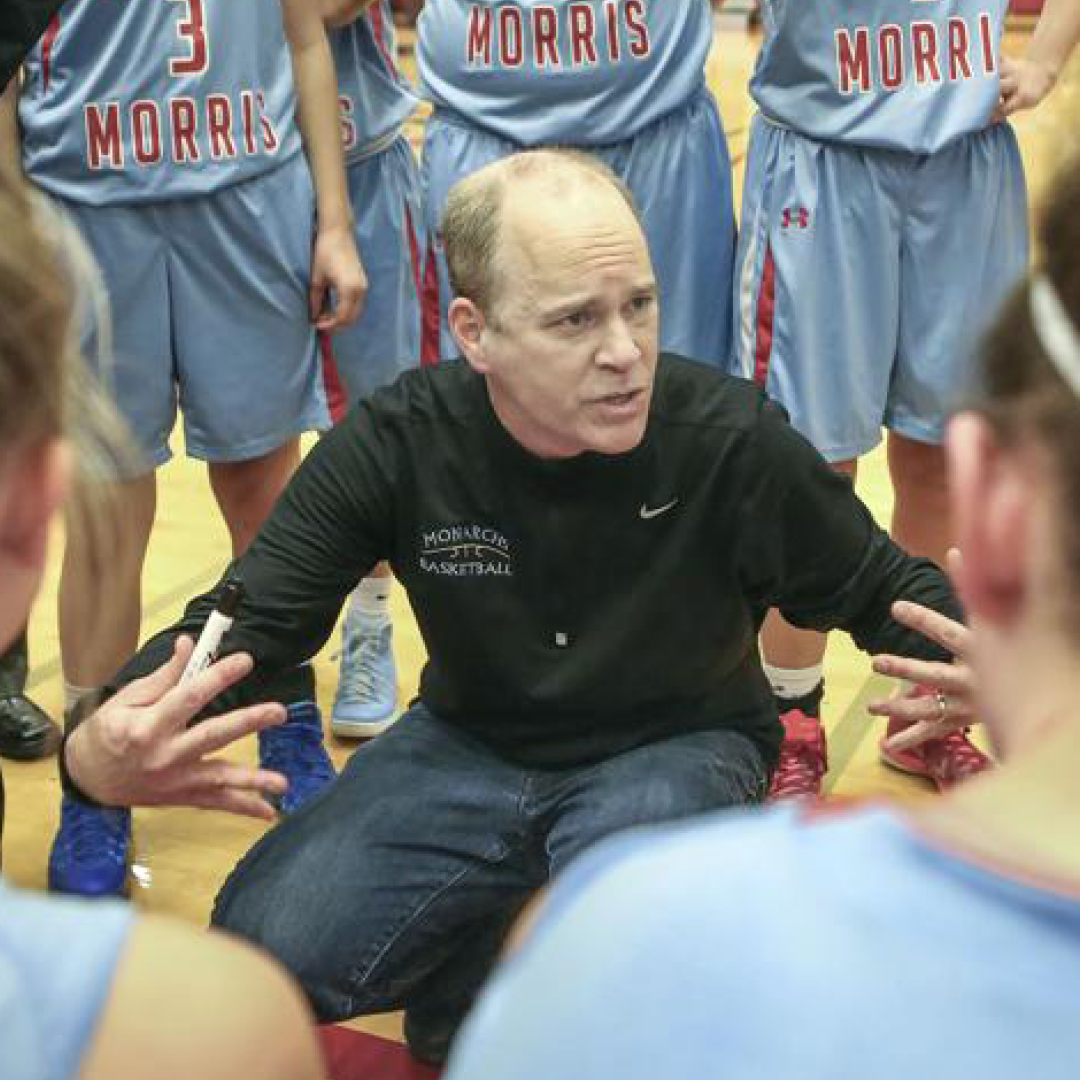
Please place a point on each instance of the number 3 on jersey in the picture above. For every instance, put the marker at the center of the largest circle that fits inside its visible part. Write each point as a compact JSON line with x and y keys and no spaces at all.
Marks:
{"x":191,"y":29}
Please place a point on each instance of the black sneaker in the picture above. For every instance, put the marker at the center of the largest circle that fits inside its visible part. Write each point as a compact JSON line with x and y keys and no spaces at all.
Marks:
{"x":26,"y":731}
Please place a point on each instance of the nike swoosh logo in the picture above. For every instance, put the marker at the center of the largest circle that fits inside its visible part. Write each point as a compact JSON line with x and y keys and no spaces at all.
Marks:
{"x":647,"y":512}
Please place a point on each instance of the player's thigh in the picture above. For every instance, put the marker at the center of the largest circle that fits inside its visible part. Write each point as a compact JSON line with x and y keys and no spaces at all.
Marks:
{"x":965,"y":244}
{"x":692,"y":236}
{"x":385,"y":340}
{"x":817,"y":285}
{"x":247,"y":357}
{"x":129,"y":343}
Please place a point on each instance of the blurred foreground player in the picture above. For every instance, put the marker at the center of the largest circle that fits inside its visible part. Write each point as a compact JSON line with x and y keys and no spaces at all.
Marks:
{"x":935,"y":939}
{"x":884,"y":217}
{"x":166,"y":132}
{"x":95,"y":990}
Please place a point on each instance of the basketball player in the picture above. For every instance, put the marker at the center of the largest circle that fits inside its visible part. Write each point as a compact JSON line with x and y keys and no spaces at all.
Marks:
{"x":384,"y":184}
{"x":623,"y":79}
{"x":165,"y":131}
{"x":884,"y":216}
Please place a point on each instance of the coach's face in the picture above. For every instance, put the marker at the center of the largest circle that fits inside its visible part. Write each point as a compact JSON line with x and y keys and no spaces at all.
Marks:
{"x":569,"y":348}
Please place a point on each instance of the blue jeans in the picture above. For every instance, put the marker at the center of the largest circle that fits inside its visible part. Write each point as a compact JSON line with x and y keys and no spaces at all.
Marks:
{"x":395,"y":887}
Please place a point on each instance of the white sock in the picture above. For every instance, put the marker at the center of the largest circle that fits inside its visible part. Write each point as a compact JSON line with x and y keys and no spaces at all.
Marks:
{"x":72,"y":693}
{"x":370,"y":602}
{"x":793,"y":682}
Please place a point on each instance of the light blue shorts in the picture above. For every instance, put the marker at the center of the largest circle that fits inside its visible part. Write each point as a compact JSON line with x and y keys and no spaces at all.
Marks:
{"x":680,"y":174}
{"x":865,"y":277}
{"x":208,"y":297}
{"x":390,"y":232}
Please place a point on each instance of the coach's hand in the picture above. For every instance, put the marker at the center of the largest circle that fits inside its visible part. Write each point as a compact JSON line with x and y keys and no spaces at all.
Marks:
{"x":336,"y":266}
{"x":137,"y":749}
{"x":950,"y":703}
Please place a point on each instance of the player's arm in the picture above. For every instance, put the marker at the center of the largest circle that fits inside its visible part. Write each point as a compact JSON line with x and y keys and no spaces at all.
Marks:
{"x":10,"y":149}
{"x":195,"y":1003}
{"x":335,"y":261}
{"x":1027,"y":80}
{"x":343,"y":12}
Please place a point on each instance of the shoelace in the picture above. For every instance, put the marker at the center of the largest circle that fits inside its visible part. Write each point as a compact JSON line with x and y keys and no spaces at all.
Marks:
{"x":361,"y":673}
{"x":90,"y":832}
{"x":953,"y":757}
{"x":800,"y":770}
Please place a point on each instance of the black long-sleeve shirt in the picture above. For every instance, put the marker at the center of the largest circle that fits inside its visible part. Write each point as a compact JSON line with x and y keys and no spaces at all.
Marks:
{"x":574,"y":608}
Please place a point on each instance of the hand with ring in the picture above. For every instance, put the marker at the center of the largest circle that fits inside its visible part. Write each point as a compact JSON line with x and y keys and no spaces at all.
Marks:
{"x":945,"y":699}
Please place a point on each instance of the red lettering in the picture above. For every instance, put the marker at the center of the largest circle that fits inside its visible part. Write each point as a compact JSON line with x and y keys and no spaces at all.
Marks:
{"x":612,"y":13}
{"x":219,"y":122}
{"x":959,"y":66}
{"x":247,"y":114}
{"x":510,"y":26}
{"x":640,"y":46}
{"x":853,"y":60}
{"x":479,"y":36}
{"x":891,"y":57}
{"x":924,"y":51}
{"x":103,"y":136}
{"x":582,"y":33}
{"x":193,"y":28}
{"x":986,"y":31}
{"x":348,"y":125}
{"x":146,"y":132}
{"x":545,"y":40}
{"x":270,"y":139}
{"x":185,"y":123}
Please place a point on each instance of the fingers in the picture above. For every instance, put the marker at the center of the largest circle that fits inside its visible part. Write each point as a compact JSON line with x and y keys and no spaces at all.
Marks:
{"x":219,"y":731}
{"x":920,"y":732}
{"x":937,"y":675}
{"x":317,"y":293}
{"x":349,"y":303}
{"x":150,"y":688}
{"x":244,"y":803}
{"x":183,"y":702}
{"x":948,"y":633}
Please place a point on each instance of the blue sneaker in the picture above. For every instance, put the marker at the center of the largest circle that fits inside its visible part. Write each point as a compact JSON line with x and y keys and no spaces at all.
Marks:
{"x":89,"y":855}
{"x":295,"y":749}
{"x":366,"y":698}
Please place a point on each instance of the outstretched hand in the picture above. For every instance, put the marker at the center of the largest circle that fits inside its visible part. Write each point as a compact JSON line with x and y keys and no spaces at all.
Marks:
{"x":137,"y":748}
{"x":949,"y":705}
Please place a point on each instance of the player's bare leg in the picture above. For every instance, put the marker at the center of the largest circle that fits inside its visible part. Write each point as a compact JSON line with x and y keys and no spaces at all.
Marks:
{"x":95,"y":639}
{"x":793,"y":663}
{"x":247,"y":490}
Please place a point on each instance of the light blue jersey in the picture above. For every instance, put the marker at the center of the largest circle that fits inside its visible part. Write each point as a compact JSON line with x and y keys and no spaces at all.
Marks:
{"x":900,"y":74}
{"x":58,"y":962}
{"x":374,"y":95}
{"x":747,"y":947}
{"x":130,"y":102}
{"x":582,"y":73}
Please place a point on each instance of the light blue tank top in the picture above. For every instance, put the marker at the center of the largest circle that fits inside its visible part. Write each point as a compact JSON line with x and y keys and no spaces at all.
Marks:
{"x":374,"y":95}
{"x":57,"y":962}
{"x":137,"y":100}
{"x":584,"y":73}
{"x":899,"y":74}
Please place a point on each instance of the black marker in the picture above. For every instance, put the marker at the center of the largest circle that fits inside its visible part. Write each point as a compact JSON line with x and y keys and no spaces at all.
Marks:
{"x":221,"y":618}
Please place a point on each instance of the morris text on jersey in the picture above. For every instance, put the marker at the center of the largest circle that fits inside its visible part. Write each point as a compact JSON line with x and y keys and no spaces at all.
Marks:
{"x":178,"y":130}
{"x":546,"y":36}
{"x":869,"y":59}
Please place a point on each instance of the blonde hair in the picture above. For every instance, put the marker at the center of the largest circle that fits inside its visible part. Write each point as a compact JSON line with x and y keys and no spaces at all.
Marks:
{"x":50,"y":287}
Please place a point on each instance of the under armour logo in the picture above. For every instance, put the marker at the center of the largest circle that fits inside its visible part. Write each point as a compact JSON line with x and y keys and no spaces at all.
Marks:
{"x":647,"y":512}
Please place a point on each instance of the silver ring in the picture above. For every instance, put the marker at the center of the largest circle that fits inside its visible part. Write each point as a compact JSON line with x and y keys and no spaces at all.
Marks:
{"x":943,"y":706}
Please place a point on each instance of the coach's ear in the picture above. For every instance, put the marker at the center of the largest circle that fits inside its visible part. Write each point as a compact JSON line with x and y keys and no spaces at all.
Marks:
{"x":467,"y":324}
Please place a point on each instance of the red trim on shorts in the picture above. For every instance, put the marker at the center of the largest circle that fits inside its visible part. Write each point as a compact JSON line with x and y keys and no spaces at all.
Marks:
{"x":429,"y":310}
{"x":47,"y":43}
{"x":429,"y":356}
{"x":336,"y":398}
{"x":766,"y":316}
{"x":379,"y":32}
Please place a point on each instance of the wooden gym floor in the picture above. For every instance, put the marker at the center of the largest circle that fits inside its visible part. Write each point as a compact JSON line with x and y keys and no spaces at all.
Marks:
{"x":187,"y":853}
